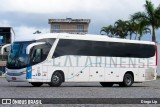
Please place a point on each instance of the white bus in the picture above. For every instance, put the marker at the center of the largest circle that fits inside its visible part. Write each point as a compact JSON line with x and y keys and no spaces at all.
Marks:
{"x":60,"y":57}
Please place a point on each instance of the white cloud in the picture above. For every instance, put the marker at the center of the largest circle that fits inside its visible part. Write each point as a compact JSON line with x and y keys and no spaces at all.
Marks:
{"x":27,"y":16}
{"x":24,"y":30}
{"x":48,"y":6}
{"x":56,"y":6}
{"x":4,"y":23}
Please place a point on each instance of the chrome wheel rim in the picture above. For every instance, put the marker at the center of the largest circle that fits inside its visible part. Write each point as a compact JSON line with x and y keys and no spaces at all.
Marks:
{"x":55,"y":79}
{"x":128,"y":80}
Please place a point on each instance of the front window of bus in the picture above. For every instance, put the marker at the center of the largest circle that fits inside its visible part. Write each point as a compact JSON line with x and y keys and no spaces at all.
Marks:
{"x":17,"y":57}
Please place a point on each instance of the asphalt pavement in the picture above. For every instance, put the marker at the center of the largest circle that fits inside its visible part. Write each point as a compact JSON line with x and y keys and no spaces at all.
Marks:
{"x":79,"y":90}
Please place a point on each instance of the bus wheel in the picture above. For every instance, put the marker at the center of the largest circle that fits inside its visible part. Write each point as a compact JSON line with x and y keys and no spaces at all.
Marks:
{"x":106,"y":84}
{"x":36,"y":84}
{"x":56,"y":80}
{"x":127,"y":81}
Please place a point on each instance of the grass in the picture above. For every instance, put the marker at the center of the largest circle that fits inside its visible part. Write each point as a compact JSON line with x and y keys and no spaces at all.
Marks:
{"x":2,"y":76}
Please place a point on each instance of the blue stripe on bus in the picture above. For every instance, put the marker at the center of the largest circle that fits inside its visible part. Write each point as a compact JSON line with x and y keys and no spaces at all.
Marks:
{"x":29,"y":72}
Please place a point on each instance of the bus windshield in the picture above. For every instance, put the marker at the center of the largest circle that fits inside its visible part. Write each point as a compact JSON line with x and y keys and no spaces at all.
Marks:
{"x":17,"y":57}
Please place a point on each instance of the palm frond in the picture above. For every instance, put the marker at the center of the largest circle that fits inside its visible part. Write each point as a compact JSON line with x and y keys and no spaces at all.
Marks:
{"x":139,"y":16}
{"x":157,"y":17}
{"x":149,"y":8}
{"x":157,"y":12}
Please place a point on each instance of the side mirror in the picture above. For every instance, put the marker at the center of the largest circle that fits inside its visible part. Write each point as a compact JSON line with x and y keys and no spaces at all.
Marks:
{"x":28,"y":49}
{"x":5,"y":48}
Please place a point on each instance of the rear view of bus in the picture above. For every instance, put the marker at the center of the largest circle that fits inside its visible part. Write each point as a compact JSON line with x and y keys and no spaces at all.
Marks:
{"x":152,"y":63}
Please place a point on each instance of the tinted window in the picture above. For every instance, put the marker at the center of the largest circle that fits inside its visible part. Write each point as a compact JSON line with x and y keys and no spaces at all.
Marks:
{"x":39,"y":53}
{"x":99,"y":48}
{"x":37,"y":57}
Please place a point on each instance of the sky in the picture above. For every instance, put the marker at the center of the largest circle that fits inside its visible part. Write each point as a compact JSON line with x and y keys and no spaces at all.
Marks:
{"x":27,"y":16}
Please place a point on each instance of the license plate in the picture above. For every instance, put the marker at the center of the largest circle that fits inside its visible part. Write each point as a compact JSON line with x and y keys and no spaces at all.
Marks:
{"x":13,"y":78}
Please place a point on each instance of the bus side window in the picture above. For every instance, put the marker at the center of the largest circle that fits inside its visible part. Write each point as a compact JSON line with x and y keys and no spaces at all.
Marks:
{"x":37,"y":56}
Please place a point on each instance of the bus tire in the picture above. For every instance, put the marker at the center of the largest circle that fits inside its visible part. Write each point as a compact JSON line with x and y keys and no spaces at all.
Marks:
{"x":106,"y":84}
{"x":56,"y":80}
{"x":127,"y":80}
{"x":37,"y":84}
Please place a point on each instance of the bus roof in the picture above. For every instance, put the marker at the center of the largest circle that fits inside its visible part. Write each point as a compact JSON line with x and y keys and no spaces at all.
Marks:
{"x":91,"y":37}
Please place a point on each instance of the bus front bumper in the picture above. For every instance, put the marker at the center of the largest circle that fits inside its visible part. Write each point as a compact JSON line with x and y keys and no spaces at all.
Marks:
{"x":21,"y":78}
{"x":16,"y":75}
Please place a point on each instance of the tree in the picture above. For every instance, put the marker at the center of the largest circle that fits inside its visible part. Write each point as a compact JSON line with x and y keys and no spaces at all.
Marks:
{"x":132,"y":28}
{"x":37,"y":32}
{"x":109,"y":30}
{"x":151,"y":17}
{"x":144,"y":30}
{"x":121,"y":28}
{"x":137,"y":29}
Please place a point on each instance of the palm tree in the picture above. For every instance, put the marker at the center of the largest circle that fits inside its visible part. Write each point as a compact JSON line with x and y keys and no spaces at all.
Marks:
{"x":132,"y":28}
{"x":144,"y":30}
{"x":121,"y":28}
{"x":137,"y":29}
{"x":151,"y":17}
{"x":109,"y":30}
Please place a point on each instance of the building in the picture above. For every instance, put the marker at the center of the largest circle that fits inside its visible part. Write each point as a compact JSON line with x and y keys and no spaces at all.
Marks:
{"x":69,"y":25}
{"x":6,"y":37}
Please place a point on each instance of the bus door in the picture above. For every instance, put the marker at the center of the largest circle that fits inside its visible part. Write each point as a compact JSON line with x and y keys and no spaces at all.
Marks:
{"x":36,"y":58}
